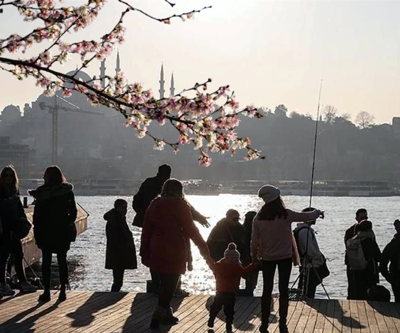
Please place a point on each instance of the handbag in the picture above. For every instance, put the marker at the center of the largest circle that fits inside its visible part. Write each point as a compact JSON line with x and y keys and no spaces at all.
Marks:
{"x":21,"y":227}
{"x":323,"y":271}
{"x":72,"y":232}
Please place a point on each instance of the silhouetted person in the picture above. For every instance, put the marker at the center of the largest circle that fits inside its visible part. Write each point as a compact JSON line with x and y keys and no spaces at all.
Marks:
{"x":53,"y":219}
{"x":251,"y":279}
{"x":309,"y":251}
{"x":361,"y":215}
{"x":272,"y":243}
{"x":391,"y":254}
{"x":228,"y":272}
{"x":120,"y":251}
{"x":148,"y":191}
{"x":228,"y":230}
{"x":168,"y":223}
{"x":11,"y":210}
{"x":363,"y":263}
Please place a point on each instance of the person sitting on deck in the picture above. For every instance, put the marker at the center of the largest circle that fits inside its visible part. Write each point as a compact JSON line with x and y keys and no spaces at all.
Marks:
{"x":391,"y":253}
{"x":228,"y":272}
{"x":121,"y":251}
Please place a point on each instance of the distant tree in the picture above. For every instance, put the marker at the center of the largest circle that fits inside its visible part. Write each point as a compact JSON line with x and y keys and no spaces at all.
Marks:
{"x":281,"y":110}
{"x":346,"y":116}
{"x":295,"y":114}
{"x":329,"y":113}
{"x":364,"y":119}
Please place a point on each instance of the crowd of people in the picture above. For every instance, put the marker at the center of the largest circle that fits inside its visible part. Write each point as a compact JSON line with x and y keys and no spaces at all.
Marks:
{"x":264,"y":242}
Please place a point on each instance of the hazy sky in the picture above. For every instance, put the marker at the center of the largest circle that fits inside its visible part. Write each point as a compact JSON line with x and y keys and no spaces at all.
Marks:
{"x":269,"y":52}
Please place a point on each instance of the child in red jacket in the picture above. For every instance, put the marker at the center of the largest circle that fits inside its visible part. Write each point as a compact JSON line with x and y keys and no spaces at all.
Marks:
{"x":228,"y":272}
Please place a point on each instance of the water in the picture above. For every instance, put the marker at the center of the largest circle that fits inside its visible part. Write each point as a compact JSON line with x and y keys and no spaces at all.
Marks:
{"x":88,"y":253}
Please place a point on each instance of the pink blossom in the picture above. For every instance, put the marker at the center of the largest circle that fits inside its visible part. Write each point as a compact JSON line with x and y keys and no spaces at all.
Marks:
{"x":204,"y":160}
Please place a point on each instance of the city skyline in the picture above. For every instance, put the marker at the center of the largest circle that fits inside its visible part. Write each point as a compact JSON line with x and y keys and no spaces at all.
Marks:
{"x":269,"y":52}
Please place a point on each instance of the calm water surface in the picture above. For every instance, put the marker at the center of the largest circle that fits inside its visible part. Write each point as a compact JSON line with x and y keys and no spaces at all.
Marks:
{"x":88,"y":253}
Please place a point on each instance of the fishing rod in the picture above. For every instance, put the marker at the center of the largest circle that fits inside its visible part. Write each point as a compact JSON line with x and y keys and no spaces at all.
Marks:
{"x":315,"y":144}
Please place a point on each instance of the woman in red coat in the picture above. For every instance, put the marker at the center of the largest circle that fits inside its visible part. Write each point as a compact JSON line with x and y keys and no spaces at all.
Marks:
{"x":168,"y":222}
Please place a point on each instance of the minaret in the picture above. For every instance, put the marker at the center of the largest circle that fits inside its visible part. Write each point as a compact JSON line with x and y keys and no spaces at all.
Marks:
{"x":118,"y":68}
{"x":103,"y":73}
{"x":172,"y":89}
{"x":162,"y":91}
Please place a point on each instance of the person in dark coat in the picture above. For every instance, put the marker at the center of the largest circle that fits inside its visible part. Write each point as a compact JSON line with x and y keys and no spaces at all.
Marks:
{"x":121,"y":251}
{"x":391,"y":254}
{"x":251,"y":279}
{"x":148,"y":191}
{"x":361,"y":215}
{"x":168,"y":223}
{"x":54,"y":216}
{"x":11,"y":210}
{"x":228,"y":230}
{"x":368,"y":277}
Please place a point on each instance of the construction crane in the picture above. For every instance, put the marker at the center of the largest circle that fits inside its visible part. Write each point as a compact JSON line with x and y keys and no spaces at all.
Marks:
{"x":53,"y":110}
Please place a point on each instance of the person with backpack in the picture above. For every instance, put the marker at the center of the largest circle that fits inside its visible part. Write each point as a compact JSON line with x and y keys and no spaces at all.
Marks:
{"x":391,"y":254}
{"x":228,"y":272}
{"x":121,"y":251}
{"x":313,"y":266}
{"x":361,"y":215}
{"x":363,"y":256}
{"x":251,"y":279}
{"x":272,"y":243}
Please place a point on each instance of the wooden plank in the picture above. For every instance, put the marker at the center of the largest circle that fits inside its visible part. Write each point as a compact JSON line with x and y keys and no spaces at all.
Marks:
{"x":320,"y":323}
{"x":313,"y":304}
{"x":379,"y":318}
{"x":337,"y":317}
{"x":395,"y":313}
{"x":372,"y":323}
{"x":383,"y":309}
{"x":330,"y":311}
{"x":362,"y":313}
{"x":346,"y":317}
{"x":355,"y":320}
{"x":304,"y":316}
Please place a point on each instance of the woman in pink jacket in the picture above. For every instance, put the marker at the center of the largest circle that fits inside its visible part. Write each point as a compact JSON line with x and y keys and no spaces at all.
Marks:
{"x":272,"y":243}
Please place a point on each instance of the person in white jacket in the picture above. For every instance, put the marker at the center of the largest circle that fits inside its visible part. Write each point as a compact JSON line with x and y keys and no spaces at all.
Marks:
{"x":312,"y":260}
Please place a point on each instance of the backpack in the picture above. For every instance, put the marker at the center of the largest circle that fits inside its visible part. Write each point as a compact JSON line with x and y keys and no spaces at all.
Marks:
{"x":355,"y":254}
{"x":378,"y":293}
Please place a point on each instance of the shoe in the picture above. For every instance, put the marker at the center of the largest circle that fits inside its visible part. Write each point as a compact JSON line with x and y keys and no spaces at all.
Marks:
{"x":62,"y":297}
{"x":283,"y":328}
{"x":181,"y":293}
{"x":210,"y":323}
{"x":158,"y":316}
{"x":6,"y":290}
{"x":26,"y":287}
{"x":228,"y":327}
{"x":45,"y":297}
{"x":169,"y":318}
{"x":263,"y":329}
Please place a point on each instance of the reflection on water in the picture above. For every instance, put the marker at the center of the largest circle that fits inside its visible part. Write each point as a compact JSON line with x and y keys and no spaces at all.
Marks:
{"x":88,"y":253}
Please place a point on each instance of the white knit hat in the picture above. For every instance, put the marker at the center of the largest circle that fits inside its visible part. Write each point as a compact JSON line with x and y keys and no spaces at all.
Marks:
{"x":269,"y":193}
{"x":231,"y":253}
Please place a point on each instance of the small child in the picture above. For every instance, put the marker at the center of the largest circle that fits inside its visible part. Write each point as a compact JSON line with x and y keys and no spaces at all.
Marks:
{"x":228,"y":272}
{"x":121,"y":251}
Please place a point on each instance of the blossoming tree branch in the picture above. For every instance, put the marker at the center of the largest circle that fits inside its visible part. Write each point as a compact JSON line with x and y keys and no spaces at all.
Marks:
{"x":197,"y":119}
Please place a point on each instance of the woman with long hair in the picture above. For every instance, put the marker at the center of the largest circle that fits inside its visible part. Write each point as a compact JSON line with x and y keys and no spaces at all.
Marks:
{"x":168,"y":224}
{"x":53,"y":219}
{"x":11,"y":210}
{"x":272,"y":243}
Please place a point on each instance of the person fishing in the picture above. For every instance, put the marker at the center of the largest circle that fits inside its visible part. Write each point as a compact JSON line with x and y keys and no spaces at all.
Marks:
{"x":272,"y":243}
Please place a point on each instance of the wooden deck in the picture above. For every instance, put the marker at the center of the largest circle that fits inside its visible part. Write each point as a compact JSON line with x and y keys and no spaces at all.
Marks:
{"x":129,"y":312}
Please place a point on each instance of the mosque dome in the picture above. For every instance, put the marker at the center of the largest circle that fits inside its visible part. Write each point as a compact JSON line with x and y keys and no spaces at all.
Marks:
{"x":79,"y":75}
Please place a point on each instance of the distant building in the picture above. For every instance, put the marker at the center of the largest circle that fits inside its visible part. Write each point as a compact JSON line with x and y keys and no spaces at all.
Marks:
{"x":396,"y":127}
{"x":15,"y":154}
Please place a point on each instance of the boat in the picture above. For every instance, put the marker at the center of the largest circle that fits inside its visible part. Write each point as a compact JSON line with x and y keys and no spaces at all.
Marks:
{"x":32,"y":253}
